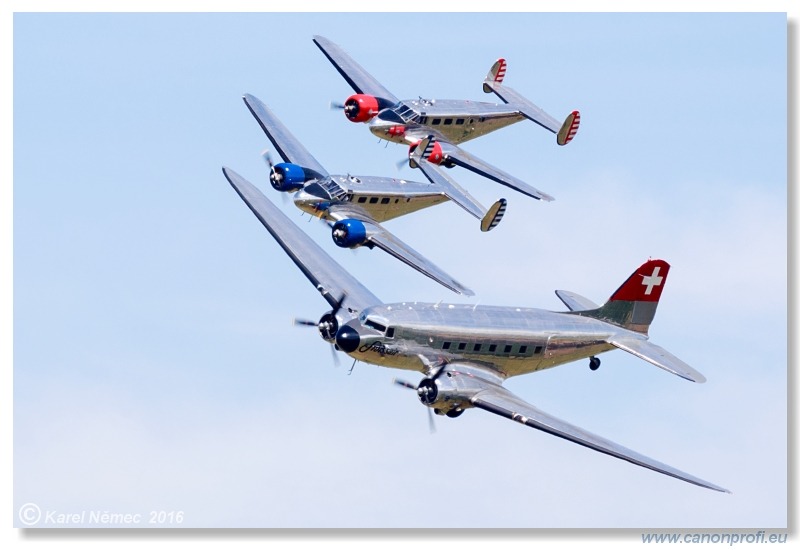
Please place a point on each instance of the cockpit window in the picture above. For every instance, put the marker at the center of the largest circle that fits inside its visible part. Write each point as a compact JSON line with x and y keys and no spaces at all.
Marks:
{"x":390,"y":116}
{"x":317,"y":190}
{"x":372,"y":324}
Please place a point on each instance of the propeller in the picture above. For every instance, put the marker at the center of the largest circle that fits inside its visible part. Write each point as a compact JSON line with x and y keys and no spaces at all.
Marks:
{"x":274,"y":175}
{"x":349,"y":110}
{"x":328,"y":326}
{"x":415,"y":387}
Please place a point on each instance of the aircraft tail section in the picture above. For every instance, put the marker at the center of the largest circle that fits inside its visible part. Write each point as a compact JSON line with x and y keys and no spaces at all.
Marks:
{"x":565,"y":131}
{"x":633,"y":305}
{"x":495,"y":76}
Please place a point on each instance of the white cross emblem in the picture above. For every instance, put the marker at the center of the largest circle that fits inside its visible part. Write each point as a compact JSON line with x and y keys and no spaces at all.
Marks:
{"x":652,"y":280}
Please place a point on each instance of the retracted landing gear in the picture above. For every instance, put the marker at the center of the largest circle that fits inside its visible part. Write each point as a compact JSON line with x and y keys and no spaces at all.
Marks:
{"x":594,"y":363}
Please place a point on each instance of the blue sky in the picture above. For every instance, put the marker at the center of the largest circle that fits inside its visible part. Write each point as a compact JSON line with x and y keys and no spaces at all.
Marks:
{"x":155,"y":365}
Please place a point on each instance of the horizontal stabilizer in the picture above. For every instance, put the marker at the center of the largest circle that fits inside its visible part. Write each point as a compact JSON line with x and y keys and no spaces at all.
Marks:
{"x":658,"y":356}
{"x":524,"y":105}
{"x":575,"y":302}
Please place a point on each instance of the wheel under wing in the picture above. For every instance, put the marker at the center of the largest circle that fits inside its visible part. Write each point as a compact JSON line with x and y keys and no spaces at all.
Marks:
{"x":375,"y":235}
{"x":458,"y":386}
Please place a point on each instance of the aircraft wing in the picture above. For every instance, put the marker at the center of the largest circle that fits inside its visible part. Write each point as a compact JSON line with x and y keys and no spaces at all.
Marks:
{"x":355,"y":75}
{"x":287,"y":146}
{"x":443,"y":152}
{"x":329,"y":278}
{"x":496,"y":399}
{"x":386,"y":241}
{"x":658,"y":356}
{"x":489,"y":218}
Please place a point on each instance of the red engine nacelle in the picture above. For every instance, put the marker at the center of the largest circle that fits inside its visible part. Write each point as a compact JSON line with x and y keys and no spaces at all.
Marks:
{"x":361,"y":107}
{"x":434,"y":156}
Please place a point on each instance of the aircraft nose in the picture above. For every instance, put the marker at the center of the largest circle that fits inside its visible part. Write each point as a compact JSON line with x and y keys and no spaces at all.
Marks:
{"x":347,"y":339}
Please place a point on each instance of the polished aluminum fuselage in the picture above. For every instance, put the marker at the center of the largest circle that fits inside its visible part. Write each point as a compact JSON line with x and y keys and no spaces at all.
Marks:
{"x":382,"y":198}
{"x":508,"y":340}
{"x":454,"y":120}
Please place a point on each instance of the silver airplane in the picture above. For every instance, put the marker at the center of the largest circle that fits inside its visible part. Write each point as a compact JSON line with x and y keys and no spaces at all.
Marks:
{"x":466,"y":352}
{"x":444,"y":123}
{"x":354,"y":205}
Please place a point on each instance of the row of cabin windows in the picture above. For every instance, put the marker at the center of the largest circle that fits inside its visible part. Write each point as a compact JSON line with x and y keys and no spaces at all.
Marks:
{"x":446,"y":121}
{"x":374,"y":200}
{"x":492,"y":348}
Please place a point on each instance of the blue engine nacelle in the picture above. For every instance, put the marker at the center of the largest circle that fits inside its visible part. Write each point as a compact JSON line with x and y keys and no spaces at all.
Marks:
{"x":349,"y":233}
{"x":287,"y":177}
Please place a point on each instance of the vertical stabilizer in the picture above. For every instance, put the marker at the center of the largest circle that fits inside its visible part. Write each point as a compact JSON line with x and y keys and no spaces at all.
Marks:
{"x":633,"y":305}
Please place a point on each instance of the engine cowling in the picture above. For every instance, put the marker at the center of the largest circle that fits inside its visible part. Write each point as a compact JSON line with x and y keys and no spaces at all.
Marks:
{"x":328,"y":326}
{"x":287,"y":177}
{"x":361,"y":107}
{"x":349,"y":233}
{"x":435,"y":155}
{"x":443,"y":396}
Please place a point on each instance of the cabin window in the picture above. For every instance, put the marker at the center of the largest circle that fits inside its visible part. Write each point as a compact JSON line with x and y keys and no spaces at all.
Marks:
{"x":523,"y":350}
{"x":476,"y":347}
{"x":390,"y":332}
{"x":459,"y":121}
{"x":462,"y":346}
{"x":448,"y":121}
{"x":373,"y":200}
{"x":436,"y":121}
{"x":362,"y":199}
{"x":396,"y":201}
{"x":446,"y":345}
{"x":423,"y":120}
{"x":507,"y":349}
{"x":492,"y":348}
{"x":537,"y":350}
{"x":385,"y":200}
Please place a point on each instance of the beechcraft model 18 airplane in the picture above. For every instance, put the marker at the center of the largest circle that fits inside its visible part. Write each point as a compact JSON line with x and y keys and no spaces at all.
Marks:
{"x":444,"y":123}
{"x":354,"y":206}
{"x":466,"y":352}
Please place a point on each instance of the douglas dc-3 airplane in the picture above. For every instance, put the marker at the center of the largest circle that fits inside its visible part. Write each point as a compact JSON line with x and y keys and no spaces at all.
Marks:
{"x":354,"y":206}
{"x":466,"y":352}
{"x":444,"y":123}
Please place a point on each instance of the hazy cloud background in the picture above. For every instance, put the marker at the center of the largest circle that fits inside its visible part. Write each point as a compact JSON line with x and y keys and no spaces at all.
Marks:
{"x":155,"y":367}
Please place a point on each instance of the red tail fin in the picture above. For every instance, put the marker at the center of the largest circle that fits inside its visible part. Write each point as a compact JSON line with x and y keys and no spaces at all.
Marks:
{"x":633,"y":305}
{"x":646,"y":283}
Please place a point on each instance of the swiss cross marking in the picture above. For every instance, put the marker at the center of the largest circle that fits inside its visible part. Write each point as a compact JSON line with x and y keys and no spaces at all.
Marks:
{"x":652,"y":281}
